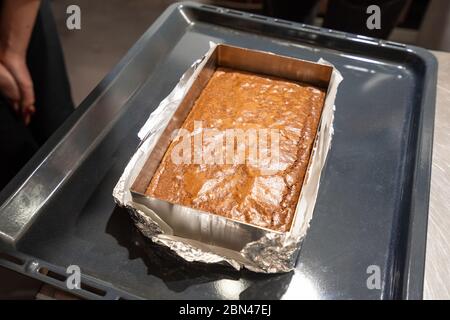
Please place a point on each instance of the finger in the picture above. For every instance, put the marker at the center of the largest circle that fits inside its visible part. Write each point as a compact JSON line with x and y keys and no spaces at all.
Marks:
{"x":32,"y":109}
{"x":27,"y":98}
{"x":27,"y":114}
{"x":27,"y":101}
{"x":27,"y":94}
{"x":19,"y":70}
{"x":16,"y":106}
{"x":27,"y":119}
{"x":9,"y":87}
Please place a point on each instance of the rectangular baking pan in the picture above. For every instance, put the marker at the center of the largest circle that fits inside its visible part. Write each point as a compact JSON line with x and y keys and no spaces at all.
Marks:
{"x":202,"y":226}
{"x":373,"y":200}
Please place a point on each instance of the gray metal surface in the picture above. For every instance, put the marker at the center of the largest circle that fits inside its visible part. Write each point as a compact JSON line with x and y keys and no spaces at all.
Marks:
{"x":372,"y":205}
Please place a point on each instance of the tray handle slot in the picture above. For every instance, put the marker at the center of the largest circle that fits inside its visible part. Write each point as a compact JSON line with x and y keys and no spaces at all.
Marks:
{"x":283,"y":22}
{"x":11,"y":259}
{"x":62,"y":278}
{"x":205,"y":6}
{"x":258,"y":17}
{"x":234,"y":12}
{"x":394,"y":45}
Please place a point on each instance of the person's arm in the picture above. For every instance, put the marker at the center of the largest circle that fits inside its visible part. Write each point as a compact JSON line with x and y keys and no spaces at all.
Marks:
{"x":17,"y":18}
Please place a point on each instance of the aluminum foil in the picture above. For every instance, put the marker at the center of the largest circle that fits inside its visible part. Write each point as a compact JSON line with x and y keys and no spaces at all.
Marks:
{"x":273,"y":252}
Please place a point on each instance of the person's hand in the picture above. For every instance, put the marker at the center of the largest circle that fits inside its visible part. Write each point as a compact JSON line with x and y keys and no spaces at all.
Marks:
{"x":19,"y":90}
{"x":9,"y":88}
{"x":17,"y":18}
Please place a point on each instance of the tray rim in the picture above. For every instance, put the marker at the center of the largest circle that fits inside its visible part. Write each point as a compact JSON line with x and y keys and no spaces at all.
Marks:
{"x":412,"y":287}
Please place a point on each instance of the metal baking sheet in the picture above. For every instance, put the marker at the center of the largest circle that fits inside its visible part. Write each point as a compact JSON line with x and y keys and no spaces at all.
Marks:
{"x":373,"y":201}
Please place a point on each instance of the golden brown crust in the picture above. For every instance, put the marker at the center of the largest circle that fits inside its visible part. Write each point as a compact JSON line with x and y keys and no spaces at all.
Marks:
{"x":239,"y":100}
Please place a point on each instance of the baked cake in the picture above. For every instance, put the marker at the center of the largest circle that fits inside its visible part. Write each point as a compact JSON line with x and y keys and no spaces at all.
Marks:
{"x":265,"y":193}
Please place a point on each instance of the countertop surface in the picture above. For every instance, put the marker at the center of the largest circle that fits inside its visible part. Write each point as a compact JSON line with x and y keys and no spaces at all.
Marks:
{"x":437,"y":265}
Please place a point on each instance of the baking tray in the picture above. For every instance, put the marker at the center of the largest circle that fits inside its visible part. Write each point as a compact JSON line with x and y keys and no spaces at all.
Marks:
{"x":373,"y":201}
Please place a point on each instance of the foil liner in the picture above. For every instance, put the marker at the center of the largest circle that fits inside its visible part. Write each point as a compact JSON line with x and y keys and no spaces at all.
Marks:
{"x":274,"y":252}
